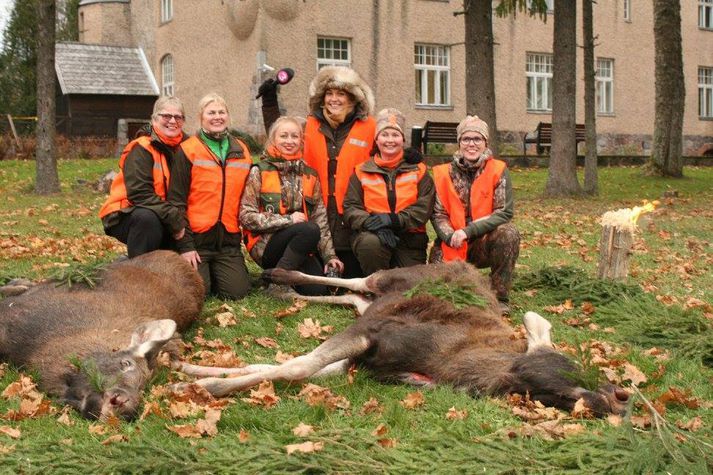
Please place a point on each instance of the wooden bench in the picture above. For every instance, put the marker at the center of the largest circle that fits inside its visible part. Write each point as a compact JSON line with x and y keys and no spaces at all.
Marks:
{"x":542,"y":137}
{"x":433,"y":132}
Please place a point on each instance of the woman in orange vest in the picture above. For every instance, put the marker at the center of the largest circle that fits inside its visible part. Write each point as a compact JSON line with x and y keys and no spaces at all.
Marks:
{"x":338,"y":136}
{"x":474,"y":207}
{"x":208,"y":179}
{"x":282,"y":213}
{"x":136,"y":211}
{"x":389,"y":201}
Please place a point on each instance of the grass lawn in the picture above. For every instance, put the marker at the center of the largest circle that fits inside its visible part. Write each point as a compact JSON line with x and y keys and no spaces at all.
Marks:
{"x":665,"y":304}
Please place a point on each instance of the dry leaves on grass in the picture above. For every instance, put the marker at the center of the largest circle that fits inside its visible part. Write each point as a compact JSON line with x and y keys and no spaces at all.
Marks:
{"x":263,"y":396}
{"x":561,"y":308}
{"x":267,"y":342}
{"x":581,"y":410}
{"x":529,"y":410}
{"x":315,"y":395}
{"x":371,"y":406}
{"x":658,"y":353}
{"x":304,"y":447}
{"x":7,"y":449}
{"x":312,"y":329}
{"x":693,"y":425}
{"x":679,"y":396}
{"x":413,"y":400}
{"x":454,"y":414}
{"x":226,"y":319}
{"x":112,"y":439}
{"x":206,"y":426}
{"x":243,"y":436}
{"x":32,"y":402}
{"x":548,"y":430}
{"x":281,"y":357}
{"x":633,"y":374}
{"x":380,"y":430}
{"x":64,"y":417}
{"x":10,"y":432}
{"x":296,"y":307}
{"x":303,"y":430}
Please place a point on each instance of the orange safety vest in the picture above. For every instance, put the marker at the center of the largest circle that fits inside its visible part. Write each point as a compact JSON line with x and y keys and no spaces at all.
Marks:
{"x":376,"y":190}
{"x":355,"y":150}
{"x":270,"y":198}
{"x":216,"y":188}
{"x":481,"y":200}
{"x":118,"y":196}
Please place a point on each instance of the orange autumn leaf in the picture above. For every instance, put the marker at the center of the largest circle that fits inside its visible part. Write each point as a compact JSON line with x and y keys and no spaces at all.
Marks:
{"x":115,"y":438}
{"x":312,"y":329}
{"x":693,"y":425}
{"x":296,"y":307}
{"x":413,"y":400}
{"x":10,"y":432}
{"x":387,"y":443}
{"x":264,"y":395}
{"x":455,"y":415}
{"x":266,"y":342}
{"x":226,"y":319}
{"x":380,"y":430}
{"x":243,"y":436}
{"x":371,"y":406}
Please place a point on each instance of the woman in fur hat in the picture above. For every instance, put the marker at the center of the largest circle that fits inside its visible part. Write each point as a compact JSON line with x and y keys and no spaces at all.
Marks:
{"x":389,"y":201}
{"x":281,"y":211}
{"x":474,"y":207}
{"x":338,"y":136}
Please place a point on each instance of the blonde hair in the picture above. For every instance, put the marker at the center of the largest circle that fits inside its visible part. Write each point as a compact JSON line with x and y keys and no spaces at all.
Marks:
{"x":209,"y":98}
{"x":272,"y":133}
{"x":166,"y":101}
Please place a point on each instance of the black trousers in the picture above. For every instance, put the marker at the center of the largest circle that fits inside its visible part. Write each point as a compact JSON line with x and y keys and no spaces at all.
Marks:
{"x":142,"y":232}
{"x":295,"y":248}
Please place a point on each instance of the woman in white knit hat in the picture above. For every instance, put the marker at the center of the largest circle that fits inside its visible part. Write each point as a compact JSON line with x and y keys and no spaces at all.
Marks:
{"x":474,"y":207}
{"x":389,"y":200}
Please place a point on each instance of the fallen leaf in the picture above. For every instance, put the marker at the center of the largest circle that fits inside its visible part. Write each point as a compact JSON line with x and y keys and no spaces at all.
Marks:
{"x":453,"y":414}
{"x":380,"y":430}
{"x":281,"y":357}
{"x":351,"y":373}
{"x":303,"y":430}
{"x":185,"y":431}
{"x":6,"y":449}
{"x":371,"y":406}
{"x":615,"y":420}
{"x":226,"y":319}
{"x":588,"y":308}
{"x":315,"y":395}
{"x":413,"y":400}
{"x":304,"y":447}
{"x":151,"y":407}
{"x":692,"y":425}
{"x":387,"y":443}
{"x":633,"y":374}
{"x":642,"y":422}
{"x":115,"y":438}
{"x":264,"y":395}
{"x":10,"y":432}
{"x":98,"y":429}
{"x":64,"y":417}
{"x":266,"y":342}
{"x":209,"y":424}
{"x":581,"y":410}
{"x":678,"y":396}
{"x":296,"y":306}
{"x":559,"y":309}
{"x":243,"y":436}
{"x":312,"y":329}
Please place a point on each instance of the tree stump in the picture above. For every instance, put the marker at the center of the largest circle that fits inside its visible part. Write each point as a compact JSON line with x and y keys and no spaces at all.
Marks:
{"x":614,"y":250}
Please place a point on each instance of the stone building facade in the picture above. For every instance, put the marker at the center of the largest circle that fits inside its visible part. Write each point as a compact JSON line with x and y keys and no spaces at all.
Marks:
{"x":412,"y":54}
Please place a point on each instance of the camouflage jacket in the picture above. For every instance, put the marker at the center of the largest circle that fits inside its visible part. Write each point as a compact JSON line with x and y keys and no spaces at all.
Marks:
{"x":463,"y":176}
{"x":265,"y":223}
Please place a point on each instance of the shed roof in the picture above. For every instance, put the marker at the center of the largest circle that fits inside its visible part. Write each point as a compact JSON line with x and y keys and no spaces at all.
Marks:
{"x":99,"y":69}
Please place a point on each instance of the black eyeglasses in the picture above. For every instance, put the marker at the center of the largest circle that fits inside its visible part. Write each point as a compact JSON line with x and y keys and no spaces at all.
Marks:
{"x":472,"y":140}
{"x":176,"y":117}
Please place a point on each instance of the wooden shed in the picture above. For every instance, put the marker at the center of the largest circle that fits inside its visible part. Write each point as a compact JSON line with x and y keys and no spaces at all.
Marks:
{"x":103,"y":90}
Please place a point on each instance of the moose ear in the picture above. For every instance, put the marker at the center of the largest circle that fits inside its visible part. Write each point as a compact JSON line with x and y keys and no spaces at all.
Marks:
{"x":149,"y":337}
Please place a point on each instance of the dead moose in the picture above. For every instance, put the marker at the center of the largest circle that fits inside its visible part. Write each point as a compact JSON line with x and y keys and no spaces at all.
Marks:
{"x":95,"y":349}
{"x":406,"y":334}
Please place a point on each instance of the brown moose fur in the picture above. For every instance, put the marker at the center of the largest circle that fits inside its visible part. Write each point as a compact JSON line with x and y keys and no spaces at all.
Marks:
{"x":44,"y":327}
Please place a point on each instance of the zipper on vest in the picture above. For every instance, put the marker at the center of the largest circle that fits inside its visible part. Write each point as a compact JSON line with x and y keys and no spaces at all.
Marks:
{"x":390,"y":191}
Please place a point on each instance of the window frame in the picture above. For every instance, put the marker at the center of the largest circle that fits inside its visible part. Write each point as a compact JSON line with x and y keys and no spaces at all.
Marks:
{"x":627,"y":10}
{"x":166,"y":13}
{"x":604,"y":87}
{"x":168,"y":75}
{"x":535,"y":78}
{"x":440,"y":73}
{"x":705,"y":12}
{"x":705,"y":92}
{"x":322,"y":62}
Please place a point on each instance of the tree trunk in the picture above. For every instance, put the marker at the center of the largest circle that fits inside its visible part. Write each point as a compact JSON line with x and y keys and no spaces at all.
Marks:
{"x":667,"y":149}
{"x":479,"y":67}
{"x":562,"y":173}
{"x":46,"y":177}
{"x":591,"y":185}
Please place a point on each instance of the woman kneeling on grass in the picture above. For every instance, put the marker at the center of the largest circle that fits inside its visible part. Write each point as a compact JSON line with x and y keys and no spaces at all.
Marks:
{"x":282,"y":212}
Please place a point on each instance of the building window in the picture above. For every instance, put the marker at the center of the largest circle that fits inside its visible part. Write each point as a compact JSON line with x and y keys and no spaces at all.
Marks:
{"x":550,"y":5}
{"x":166,"y":10}
{"x":705,"y":14}
{"x":539,"y":82}
{"x":333,"y":52}
{"x":605,"y":86}
{"x":627,"y":10}
{"x":167,"y":75}
{"x":433,"y":75}
{"x":705,"y":93}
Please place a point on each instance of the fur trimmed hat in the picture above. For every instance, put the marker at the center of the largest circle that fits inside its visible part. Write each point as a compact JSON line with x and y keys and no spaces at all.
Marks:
{"x":346,"y":79}
{"x":472,"y":123}
{"x":390,"y":118}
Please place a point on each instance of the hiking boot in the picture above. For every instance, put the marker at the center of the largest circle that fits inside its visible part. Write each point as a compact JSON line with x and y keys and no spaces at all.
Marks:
{"x":504,"y":309}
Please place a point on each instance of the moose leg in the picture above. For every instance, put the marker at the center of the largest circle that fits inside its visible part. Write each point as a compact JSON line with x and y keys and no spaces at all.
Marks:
{"x":346,"y":345}
{"x":538,"y":331}
{"x":293,"y":277}
{"x":354,"y":300}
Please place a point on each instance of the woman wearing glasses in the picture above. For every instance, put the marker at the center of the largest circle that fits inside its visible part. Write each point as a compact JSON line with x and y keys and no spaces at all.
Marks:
{"x":207,"y":183}
{"x":473,"y":209}
{"x":136,"y":212}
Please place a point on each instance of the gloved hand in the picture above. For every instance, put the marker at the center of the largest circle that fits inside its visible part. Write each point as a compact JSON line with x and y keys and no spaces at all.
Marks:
{"x":387,"y":238}
{"x":412,"y":155}
{"x":381,"y":220}
{"x":268,"y":90}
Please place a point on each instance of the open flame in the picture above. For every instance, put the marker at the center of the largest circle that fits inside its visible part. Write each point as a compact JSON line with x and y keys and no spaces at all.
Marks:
{"x":637,"y":211}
